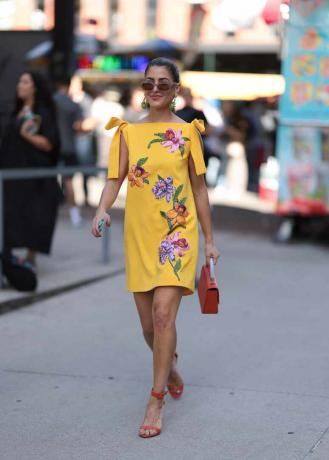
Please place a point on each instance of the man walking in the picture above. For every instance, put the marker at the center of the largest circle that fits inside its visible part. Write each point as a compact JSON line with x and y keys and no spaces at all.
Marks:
{"x":69,"y":118}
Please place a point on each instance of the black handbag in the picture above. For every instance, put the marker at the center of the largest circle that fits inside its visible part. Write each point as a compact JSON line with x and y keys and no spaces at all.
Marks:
{"x":20,"y":274}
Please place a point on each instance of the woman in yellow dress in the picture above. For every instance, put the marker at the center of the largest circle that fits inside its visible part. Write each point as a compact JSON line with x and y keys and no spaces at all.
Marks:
{"x":162,"y":158}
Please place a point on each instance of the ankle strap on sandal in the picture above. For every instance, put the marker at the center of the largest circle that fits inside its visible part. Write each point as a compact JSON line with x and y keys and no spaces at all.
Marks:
{"x":158,"y":396}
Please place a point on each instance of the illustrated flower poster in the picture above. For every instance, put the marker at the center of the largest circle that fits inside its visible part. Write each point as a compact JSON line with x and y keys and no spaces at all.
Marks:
{"x":303,"y":136}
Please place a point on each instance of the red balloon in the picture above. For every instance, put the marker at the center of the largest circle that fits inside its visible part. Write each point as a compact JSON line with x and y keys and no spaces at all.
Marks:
{"x":271,"y":12}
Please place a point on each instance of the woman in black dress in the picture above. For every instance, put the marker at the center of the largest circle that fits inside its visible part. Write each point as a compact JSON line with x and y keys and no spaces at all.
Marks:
{"x":30,"y":141}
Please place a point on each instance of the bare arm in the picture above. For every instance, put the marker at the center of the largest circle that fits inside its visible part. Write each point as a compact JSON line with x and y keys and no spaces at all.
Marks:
{"x":88,"y":125}
{"x":111,"y":190}
{"x":201,"y":199}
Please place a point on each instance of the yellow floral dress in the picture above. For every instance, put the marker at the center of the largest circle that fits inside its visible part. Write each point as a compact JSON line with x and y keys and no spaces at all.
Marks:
{"x":161,"y":226}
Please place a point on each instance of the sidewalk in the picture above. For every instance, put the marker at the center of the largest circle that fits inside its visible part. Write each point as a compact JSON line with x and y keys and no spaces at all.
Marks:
{"x":76,"y":374}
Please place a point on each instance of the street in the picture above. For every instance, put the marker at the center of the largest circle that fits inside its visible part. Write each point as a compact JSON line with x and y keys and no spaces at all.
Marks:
{"x":76,"y":374}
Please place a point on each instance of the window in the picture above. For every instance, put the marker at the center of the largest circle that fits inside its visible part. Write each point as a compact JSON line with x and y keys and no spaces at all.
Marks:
{"x":26,"y":14}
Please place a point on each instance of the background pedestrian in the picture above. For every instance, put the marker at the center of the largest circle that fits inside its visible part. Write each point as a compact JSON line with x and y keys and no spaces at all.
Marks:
{"x":85,"y":138}
{"x":69,"y":116}
{"x":31,"y":141}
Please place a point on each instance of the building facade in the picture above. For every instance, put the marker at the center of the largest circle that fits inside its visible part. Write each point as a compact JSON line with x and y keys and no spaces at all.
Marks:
{"x":121,"y":23}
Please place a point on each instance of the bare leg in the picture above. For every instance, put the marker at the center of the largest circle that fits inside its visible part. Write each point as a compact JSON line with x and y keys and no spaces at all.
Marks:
{"x":166,"y":300}
{"x":69,"y":192}
{"x":144,"y":302}
{"x":74,"y":210}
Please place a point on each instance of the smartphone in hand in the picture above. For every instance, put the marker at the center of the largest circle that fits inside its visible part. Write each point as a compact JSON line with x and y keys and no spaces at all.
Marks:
{"x":101,"y":225}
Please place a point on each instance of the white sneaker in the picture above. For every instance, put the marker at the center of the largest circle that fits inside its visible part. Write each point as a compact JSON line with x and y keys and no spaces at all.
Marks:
{"x":76,"y":219}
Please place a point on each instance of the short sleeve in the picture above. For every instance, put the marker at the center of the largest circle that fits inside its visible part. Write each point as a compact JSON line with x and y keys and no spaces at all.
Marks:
{"x":114,"y":153}
{"x":197,"y":127}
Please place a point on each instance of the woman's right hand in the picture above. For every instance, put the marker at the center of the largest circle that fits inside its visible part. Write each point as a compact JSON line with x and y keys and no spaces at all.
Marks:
{"x":99,"y":216}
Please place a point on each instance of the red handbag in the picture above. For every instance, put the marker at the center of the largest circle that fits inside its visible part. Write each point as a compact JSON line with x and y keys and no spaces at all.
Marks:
{"x":208,"y":289}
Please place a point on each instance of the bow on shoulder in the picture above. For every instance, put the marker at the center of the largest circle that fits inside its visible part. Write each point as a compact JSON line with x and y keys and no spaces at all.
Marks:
{"x":114,"y":154}
{"x":199,"y":125}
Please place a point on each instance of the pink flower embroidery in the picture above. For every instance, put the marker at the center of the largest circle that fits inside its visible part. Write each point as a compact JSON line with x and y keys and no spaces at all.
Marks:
{"x":173,"y":140}
{"x":179,"y":244}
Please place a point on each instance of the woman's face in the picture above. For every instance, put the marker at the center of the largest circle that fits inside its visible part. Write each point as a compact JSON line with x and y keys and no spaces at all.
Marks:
{"x":157,"y":98}
{"x":25,"y":87}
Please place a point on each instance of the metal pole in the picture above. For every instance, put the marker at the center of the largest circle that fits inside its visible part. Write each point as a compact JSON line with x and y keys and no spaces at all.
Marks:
{"x":62,"y":62}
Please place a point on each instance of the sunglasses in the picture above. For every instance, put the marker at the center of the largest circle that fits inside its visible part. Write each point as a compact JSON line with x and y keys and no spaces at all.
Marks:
{"x":149,"y":85}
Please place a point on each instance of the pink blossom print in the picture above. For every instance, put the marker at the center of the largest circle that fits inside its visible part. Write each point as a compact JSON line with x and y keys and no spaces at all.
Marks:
{"x":172,"y":139}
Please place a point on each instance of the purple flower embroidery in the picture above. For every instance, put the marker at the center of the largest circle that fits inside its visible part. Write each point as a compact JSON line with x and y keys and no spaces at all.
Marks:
{"x":173,"y":139}
{"x":171,"y":247}
{"x":164,"y":188}
{"x":166,"y":251}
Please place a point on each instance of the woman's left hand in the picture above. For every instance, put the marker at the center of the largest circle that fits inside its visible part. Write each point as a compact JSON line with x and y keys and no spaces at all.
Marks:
{"x":26,"y":126}
{"x":211,"y":251}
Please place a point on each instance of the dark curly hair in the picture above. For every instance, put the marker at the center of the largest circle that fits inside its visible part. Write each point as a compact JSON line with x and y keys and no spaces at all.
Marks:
{"x":43,"y":95}
{"x":165,"y":62}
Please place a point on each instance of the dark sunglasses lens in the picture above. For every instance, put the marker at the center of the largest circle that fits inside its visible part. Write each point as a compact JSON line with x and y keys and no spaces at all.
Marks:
{"x":147,"y":85}
{"x":163,"y":86}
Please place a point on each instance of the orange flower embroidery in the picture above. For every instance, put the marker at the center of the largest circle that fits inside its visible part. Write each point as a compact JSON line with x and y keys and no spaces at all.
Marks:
{"x":137,"y":174}
{"x":178,"y":214}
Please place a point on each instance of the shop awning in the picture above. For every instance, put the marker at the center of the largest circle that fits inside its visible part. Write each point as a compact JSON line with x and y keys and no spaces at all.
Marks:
{"x":233,"y":86}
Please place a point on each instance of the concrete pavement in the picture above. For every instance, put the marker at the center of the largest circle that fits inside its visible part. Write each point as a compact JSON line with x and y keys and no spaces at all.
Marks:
{"x":75,"y":372}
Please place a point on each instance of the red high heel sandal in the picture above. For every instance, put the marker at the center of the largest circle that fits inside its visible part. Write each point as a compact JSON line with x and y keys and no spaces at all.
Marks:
{"x":157,"y":430}
{"x":175,"y":391}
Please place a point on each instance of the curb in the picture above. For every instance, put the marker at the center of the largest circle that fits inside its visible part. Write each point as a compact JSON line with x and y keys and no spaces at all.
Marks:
{"x":30,"y":299}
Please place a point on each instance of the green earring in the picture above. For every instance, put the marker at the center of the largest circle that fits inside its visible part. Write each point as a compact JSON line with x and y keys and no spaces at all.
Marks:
{"x":145,"y":105}
{"x":173,"y":105}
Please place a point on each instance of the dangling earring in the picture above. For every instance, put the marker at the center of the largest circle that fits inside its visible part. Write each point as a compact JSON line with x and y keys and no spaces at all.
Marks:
{"x":173,"y":105}
{"x":145,"y":105}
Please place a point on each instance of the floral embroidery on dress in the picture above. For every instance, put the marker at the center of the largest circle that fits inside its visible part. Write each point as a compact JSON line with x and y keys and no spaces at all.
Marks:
{"x":173,"y":140}
{"x":164,"y":188}
{"x":172,"y":249}
{"x":177,"y":215}
{"x":137,"y":174}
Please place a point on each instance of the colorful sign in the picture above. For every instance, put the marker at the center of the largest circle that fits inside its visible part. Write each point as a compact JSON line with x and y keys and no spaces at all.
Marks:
{"x":303,"y":137}
{"x":306,"y":63}
{"x":304,"y":170}
{"x":112,"y":63}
